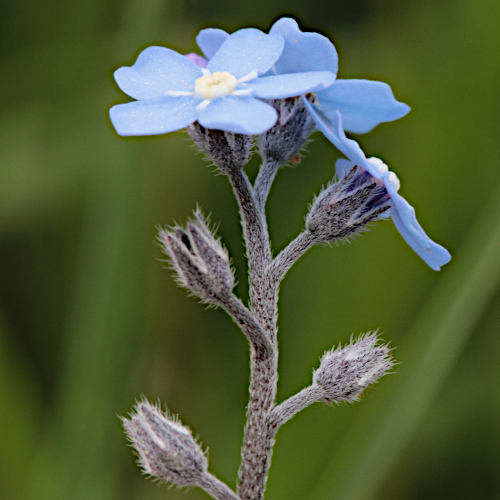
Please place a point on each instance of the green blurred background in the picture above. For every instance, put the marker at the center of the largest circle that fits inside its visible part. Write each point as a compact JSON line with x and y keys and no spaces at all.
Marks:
{"x":90,"y":319}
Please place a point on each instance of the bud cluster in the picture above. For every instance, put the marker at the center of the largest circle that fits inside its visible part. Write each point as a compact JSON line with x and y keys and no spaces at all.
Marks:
{"x":345,"y":372}
{"x":282,"y":142}
{"x":227,"y":150}
{"x":344,"y":208}
{"x":165,"y":447}
{"x":201,"y":262}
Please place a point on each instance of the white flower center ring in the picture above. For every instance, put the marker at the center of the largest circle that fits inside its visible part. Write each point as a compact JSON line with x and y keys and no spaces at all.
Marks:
{"x":219,"y":84}
{"x":213,"y":85}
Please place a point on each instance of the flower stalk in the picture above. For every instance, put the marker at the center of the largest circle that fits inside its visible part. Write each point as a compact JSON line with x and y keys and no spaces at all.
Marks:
{"x":269,"y":90}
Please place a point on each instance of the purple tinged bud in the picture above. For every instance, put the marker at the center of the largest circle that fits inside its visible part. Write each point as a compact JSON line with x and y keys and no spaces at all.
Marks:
{"x":166,"y":448}
{"x":345,"y":372}
{"x":344,"y":208}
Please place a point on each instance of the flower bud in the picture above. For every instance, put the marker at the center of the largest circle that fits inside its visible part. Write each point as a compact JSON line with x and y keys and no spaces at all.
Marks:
{"x":228,"y":151}
{"x":282,"y":142}
{"x":345,"y":372}
{"x":201,"y":262}
{"x":347,"y":206}
{"x":165,"y":447}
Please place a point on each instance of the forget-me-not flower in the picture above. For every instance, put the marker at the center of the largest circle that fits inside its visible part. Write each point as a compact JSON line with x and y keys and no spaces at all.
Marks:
{"x":401,"y":212}
{"x":173,"y":91}
{"x":363,"y":103}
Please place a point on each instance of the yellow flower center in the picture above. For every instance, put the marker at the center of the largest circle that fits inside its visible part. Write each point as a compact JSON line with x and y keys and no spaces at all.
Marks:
{"x":218,"y":84}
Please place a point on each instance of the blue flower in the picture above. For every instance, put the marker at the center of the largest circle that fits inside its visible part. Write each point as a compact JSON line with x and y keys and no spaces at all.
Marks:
{"x":363,"y":103}
{"x":172,"y":91}
{"x":401,"y":212}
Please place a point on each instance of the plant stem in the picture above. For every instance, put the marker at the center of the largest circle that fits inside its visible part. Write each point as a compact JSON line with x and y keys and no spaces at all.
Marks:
{"x":217,"y":489}
{"x":258,"y":438}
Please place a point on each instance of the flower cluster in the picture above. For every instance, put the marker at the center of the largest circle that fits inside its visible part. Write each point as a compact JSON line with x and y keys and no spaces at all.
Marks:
{"x":268,"y":90}
{"x":242,"y":84}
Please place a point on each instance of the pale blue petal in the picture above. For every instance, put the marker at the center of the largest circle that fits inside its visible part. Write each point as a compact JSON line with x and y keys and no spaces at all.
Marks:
{"x":334,"y":132}
{"x":241,"y":115}
{"x":245,"y":51}
{"x":303,"y":51}
{"x":363,"y":104}
{"x":210,"y":40}
{"x":403,"y":216}
{"x":281,"y":86}
{"x":342,"y":167}
{"x":156,"y":116}
{"x":157,"y":70}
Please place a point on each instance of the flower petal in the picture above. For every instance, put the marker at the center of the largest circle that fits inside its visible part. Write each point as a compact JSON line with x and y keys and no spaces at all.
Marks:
{"x":210,"y":40}
{"x":238,"y":114}
{"x":403,"y":216}
{"x":335,"y":134}
{"x":281,"y":86}
{"x":303,"y":51}
{"x":363,"y":104}
{"x":157,"y":70}
{"x":245,"y":51}
{"x":156,"y":116}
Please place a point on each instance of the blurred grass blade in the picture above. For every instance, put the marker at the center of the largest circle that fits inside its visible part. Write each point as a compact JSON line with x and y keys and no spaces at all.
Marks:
{"x":370,"y":448}
{"x":19,"y":412}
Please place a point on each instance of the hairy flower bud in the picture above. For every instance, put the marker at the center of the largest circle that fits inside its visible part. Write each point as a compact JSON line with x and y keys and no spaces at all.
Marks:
{"x":165,"y":447}
{"x":347,"y":206}
{"x":201,"y":262}
{"x":282,"y":142}
{"x":228,"y":151}
{"x":345,"y":372}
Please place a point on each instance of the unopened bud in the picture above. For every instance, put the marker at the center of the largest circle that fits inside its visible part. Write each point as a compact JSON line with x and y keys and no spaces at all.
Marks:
{"x":282,"y":142}
{"x":345,"y":372}
{"x":201,"y":262}
{"x":347,"y":206}
{"x":226,"y":150}
{"x":165,"y":447}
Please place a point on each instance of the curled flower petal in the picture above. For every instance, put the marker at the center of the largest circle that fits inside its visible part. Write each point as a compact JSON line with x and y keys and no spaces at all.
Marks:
{"x":336,"y":136}
{"x":156,"y":71}
{"x":246,"y":51}
{"x":402,"y":213}
{"x":303,"y":51}
{"x":156,"y":116}
{"x":363,"y":104}
{"x":238,"y":114}
{"x":210,"y":40}
{"x":403,"y":216}
{"x":281,"y":86}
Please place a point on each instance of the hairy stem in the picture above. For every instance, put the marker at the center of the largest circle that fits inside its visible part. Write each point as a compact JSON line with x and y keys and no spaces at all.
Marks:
{"x":217,"y":489}
{"x":256,"y":336}
{"x":264,"y":181}
{"x":288,"y":256}
{"x":289,"y":408}
{"x":258,"y":438}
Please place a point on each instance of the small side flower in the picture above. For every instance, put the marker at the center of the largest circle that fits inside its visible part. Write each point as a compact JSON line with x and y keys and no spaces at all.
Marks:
{"x":345,"y":372}
{"x":377,"y":172}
